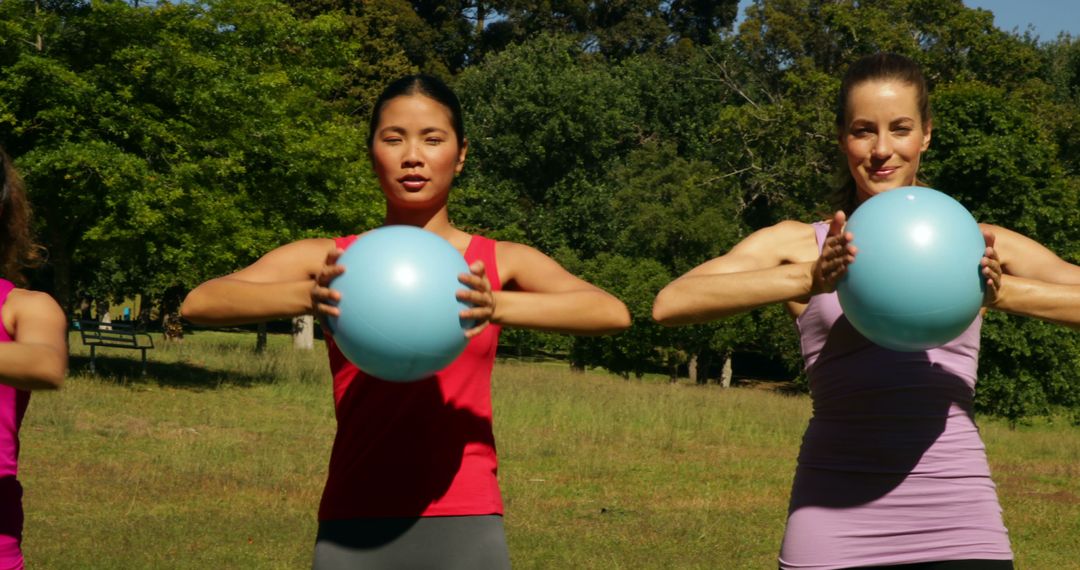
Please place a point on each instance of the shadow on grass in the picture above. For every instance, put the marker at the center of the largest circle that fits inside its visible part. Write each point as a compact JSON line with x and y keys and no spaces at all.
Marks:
{"x":128,"y":372}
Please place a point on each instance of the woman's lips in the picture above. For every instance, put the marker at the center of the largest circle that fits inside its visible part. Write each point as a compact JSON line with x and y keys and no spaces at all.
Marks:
{"x":882,"y":172}
{"x":413,"y":183}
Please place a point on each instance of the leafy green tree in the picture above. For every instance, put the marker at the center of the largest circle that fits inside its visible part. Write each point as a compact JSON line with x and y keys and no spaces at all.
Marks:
{"x":615,"y":28}
{"x":548,"y":118}
{"x":644,"y":347}
{"x":191,"y":141}
{"x":994,"y":152}
{"x":953,"y":41}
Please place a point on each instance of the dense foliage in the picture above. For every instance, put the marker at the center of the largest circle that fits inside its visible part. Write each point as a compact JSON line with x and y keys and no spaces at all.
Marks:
{"x":167,"y":143}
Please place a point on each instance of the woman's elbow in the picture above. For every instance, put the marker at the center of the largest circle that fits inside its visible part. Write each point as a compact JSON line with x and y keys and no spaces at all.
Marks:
{"x":621,"y":319}
{"x":53,"y":381}
{"x":662,"y":311}
{"x":617,"y":317}
{"x":49,"y":374}
{"x":607,"y":315}
{"x":193,"y":309}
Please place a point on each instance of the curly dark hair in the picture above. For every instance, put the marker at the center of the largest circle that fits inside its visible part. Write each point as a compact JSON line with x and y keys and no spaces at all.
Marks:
{"x":18,"y":251}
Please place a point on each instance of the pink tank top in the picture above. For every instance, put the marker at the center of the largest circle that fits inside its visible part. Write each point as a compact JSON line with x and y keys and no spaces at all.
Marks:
{"x":12,"y":407}
{"x":891,"y":469}
{"x":422,"y":448}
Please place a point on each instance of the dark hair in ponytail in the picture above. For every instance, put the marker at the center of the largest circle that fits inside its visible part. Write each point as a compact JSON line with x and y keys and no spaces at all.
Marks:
{"x":17,"y":248}
{"x":877,"y":67}
{"x":428,"y":86}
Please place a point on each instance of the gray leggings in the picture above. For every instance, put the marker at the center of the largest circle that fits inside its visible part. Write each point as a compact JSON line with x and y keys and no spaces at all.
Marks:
{"x":471,"y":542}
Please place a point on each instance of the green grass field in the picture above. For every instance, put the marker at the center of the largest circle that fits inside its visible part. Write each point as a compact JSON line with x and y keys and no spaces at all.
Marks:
{"x":217,"y":459}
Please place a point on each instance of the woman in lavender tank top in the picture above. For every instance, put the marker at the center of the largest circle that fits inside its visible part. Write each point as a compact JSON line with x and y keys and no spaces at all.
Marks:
{"x":33,"y":351}
{"x":892,"y":472}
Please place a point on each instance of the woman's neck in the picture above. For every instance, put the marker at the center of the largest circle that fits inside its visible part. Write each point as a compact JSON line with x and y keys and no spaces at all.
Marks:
{"x":436,"y":221}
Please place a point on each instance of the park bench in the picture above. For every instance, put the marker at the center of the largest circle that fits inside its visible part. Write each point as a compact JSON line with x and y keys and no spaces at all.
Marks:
{"x":114,"y":335}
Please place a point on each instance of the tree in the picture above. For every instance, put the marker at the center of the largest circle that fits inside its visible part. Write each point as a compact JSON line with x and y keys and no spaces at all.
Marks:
{"x":188,"y":142}
{"x":614,"y":28}
{"x":997,"y":154}
{"x":547,"y":119}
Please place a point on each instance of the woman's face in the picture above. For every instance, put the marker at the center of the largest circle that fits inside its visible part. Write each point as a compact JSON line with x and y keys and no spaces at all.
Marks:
{"x":415,"y":151}
{"x":884,"y":136}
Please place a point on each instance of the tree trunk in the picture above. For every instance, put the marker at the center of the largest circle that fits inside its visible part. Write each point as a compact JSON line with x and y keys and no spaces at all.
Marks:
{"x":146,"y":305}
{"x":171,"y":324}
{"x":725,"y":374}
{"x":481,"y":14}
{"x":692,"y":370}
{"x":85,"y":310}
{"x":260,"y":338}
{"x":303,"y":330}
{"x":40,"y":42}
{"x":704,"y":366}
{"x":577,"y":358}
{"x":61,"y":262}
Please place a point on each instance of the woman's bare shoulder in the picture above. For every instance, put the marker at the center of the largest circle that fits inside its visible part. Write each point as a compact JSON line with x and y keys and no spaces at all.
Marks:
{"x":788,"y":241}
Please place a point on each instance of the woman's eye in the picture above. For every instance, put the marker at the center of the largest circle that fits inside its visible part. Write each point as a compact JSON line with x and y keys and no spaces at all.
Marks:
{"x":434,"y":141}
{"x":392,"y":140}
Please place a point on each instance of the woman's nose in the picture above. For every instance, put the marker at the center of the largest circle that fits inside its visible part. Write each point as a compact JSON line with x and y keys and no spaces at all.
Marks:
{"x":412,"y":156}
{"x":882,"y":147}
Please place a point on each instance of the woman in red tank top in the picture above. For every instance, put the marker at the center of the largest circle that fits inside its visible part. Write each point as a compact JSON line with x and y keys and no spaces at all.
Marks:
{"x":412,"y":471}
{"x":33,"y":350}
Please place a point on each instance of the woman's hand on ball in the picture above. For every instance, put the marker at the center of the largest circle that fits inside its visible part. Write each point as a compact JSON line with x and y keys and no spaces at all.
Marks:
{"x":836,"y":254}
{"x":323,"y":298}
{"x":991,"y":270}
{"x":478,"y":295}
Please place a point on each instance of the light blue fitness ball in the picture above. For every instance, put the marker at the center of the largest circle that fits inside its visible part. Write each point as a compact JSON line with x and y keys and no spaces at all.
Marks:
{"x":399,"y":313}
{"x":916,"y":282}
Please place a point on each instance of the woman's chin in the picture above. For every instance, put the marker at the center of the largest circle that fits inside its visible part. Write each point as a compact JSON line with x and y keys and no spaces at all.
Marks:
{"x":416,"y":201}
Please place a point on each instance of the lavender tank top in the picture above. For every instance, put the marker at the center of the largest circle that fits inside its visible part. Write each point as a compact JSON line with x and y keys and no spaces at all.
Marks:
{"x":12,"y":407}
{"x":892,"y":469}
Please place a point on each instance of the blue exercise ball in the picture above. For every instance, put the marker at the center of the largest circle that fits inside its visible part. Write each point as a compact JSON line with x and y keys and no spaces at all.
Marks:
{"x":399,"y":311}
{"x":916,"y":282}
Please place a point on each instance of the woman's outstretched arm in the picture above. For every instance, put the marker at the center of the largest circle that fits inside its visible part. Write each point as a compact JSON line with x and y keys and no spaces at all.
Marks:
{"x":1035,"y":282}
{"x":278,"y":285}
{"x":773,"y":265}
{"x":540,"y":294}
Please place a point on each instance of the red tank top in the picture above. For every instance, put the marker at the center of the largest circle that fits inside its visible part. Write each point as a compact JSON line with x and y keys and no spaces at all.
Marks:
{"x":422,"y":448}
{"x":12,"y":407}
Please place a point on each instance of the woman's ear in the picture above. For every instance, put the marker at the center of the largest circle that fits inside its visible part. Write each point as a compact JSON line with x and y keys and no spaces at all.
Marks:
{"x":461,"y":156}
{"x":926,"y":134}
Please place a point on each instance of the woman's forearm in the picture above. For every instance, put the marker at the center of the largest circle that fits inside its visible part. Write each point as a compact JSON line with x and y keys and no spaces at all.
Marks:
{"x":575,"y":312}
{"x":226,"y":301}
{"x":702,"y":298}
{"x":1052,"y":302}
{"x":32,"y":366}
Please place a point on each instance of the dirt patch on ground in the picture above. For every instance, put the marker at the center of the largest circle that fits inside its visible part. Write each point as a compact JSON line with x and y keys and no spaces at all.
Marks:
{"x":1018,"y":487}
{"x":780,"y":387}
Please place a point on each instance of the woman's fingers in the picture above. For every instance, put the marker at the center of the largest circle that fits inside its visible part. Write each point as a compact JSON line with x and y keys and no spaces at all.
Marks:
{"x":991,"y":269}
{"x":836,"y":254}
{"x":324,"y":301}
{"x":479,"y":296}
{"x":476,"y":330}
